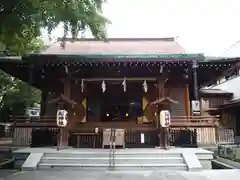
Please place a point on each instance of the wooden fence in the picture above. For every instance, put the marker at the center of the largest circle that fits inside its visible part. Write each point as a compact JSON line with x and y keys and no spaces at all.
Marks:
{"x":6,"y":131}
{"x":183,"y":137}
{"x":133,"y":138}
{"x":2,"y":131}
{"x":204,"y":136}
{"x":226,"y":136}
{"x":22,"y":136}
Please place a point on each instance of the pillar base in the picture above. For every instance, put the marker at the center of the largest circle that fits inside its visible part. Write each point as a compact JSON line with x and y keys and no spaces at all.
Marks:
{"x":63,"y":139}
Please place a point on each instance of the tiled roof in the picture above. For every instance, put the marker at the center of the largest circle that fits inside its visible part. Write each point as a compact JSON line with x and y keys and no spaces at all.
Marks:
{"x":124,"y":46}
{"x":233,"y":103}
{"x":232,"y":51}
{"x":214,"y":91}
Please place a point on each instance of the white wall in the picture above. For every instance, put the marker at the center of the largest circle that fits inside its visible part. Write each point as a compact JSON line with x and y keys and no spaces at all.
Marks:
{"x":232,"y":85}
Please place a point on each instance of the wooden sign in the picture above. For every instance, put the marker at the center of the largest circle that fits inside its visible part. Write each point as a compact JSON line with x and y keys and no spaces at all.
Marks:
{"x":195,"y":106}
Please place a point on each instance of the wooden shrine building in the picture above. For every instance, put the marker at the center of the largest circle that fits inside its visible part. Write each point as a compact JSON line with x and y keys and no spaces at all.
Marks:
{"x":114,"y":84}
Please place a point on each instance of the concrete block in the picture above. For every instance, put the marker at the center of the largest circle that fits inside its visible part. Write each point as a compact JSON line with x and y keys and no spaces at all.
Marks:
{"x":32,"y":162}
{"x":206,"y":164}
{"x":192,"y":161}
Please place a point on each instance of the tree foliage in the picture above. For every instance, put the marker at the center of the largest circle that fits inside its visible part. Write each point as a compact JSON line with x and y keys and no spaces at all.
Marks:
{"x":16,"y":95}
{"x":21,"y":22}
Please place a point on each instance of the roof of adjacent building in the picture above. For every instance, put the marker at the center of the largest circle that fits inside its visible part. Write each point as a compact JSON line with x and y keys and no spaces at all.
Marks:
{"x":209,"y":92}
{"x":233,"y":50}
{"x":214,"y":91}
{"x":232,"y":104}
{"x":220,"y":59}
{"x":120,"y":46}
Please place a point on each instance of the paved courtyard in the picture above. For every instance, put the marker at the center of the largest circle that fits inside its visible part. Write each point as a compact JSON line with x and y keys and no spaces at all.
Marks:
{"x":81,"y":175}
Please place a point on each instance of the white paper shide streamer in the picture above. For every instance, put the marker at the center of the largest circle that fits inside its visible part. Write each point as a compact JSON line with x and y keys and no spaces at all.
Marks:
{"x":145,"y":86}
{"x":124,"y":85}
{"x":66,"y":69}
{"x":82,"y":85}
{"x":103,"y":86}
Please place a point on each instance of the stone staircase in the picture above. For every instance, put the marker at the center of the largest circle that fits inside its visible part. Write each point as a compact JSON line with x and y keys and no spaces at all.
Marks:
{"x":124,"y":160}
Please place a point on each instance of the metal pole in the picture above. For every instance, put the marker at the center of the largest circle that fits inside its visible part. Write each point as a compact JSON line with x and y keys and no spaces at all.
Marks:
{"x":110,"y":149}
{"x":195,"y":80}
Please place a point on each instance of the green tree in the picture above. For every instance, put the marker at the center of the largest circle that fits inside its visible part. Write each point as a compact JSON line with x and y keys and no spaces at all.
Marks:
{"x":22,"y":20}
{"x":18,"y":98}
{"x":14,"y":94}
{"x":20,"y":29}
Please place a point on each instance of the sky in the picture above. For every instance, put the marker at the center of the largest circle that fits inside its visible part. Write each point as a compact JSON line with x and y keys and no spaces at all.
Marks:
{"x":202,"y":26}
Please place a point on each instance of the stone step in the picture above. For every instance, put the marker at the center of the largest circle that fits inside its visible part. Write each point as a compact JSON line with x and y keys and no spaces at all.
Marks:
{"x":123,"y":167}
{"x":118,"y":160}
{"x":204,"y":156}
{"x":118,"y":154}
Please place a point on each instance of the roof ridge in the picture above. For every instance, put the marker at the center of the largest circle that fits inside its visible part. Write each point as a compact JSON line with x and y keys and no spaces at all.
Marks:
{"x":120,"y":46}
{"x":121,"y":39}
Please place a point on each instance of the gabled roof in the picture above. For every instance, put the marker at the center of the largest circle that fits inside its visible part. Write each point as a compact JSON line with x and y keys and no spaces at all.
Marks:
{"x":120,"y":46}
{"x":62,"y":98}
{"x":164,"y":100}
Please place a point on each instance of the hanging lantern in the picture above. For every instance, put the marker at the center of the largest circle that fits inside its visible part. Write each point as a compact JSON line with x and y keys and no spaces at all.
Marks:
{"x":124,"y":85}
{"x":62,"y":119}
{"x":82,"y":85}
{"x":145,"y":86}
{"x":103,"y":86}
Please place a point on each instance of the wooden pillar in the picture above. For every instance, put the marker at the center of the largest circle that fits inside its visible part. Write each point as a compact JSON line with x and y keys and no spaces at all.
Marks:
{"x":66,"y":93}
{"x":30,"y":76}
{"x":160,"y":85}
{"x":43,"y":103}
{"x":67,"y":87}
{"x":187,"y":101}
{"x":163,"y":132}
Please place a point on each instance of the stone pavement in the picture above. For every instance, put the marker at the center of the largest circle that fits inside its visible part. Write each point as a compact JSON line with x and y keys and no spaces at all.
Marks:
{"x":226,"y":174}
{"x":5,"y":173}
{"x":87,"y":175}
{"x":100,"y":175}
